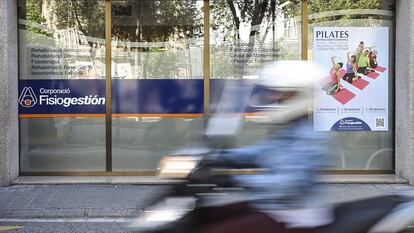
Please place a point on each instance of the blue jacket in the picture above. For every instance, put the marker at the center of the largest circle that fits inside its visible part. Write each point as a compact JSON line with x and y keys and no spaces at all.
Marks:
{"x":292,"y":156}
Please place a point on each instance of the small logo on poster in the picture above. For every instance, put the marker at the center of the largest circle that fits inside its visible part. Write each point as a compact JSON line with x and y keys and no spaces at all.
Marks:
{"x":27,"y":97}
{"x":350,"y":124}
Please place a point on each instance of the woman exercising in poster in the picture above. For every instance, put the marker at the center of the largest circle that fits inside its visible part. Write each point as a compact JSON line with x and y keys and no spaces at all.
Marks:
{"x":351,"y":69}
{"x":373,"y":59}
{"x":334,"y":78}
{"x":363,"y":63}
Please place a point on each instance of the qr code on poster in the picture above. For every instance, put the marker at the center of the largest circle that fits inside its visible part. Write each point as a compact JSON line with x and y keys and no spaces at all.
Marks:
{"x":379,"y":122}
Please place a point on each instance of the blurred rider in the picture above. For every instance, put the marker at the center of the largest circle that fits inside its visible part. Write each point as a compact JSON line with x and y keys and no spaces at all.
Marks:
{"x":285,"y":197}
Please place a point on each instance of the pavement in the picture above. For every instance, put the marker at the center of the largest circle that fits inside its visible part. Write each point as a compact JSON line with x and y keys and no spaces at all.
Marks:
{"x":107,"y":208}
{"x":75,"y":201}
{"x":125,"y":201}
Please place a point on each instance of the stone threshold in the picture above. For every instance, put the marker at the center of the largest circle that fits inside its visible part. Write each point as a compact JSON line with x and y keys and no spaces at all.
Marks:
{"x":153,"y":180}
{"x":362,"y":179}
{"x":51,"y":180}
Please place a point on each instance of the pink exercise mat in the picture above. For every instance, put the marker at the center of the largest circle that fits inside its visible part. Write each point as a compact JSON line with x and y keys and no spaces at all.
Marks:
{"x":380,"y":69}
{"x":360,"y":84}
{"x":373,"y":75}
{"x":344,"y":96}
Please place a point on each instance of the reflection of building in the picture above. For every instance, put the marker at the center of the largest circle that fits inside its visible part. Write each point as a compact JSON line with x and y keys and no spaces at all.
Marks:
{"x":146,"y":44}
{"x":291,"y":29}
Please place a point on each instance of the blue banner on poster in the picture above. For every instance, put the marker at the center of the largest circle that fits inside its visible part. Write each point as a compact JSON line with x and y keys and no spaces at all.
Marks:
{"x":87,"y":96}
{"x":350,"y":124}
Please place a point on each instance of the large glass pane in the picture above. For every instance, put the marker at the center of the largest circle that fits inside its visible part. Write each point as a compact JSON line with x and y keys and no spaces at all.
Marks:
{"x":245,"y":36}
{"x":61,"y":85}
{"x":157,"y":78}
{"x":362,"y":150}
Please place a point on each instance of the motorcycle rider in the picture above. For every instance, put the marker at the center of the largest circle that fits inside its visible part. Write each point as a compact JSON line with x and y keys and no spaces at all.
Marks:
{"x":293,"y":152}
{"x":284,"y":197}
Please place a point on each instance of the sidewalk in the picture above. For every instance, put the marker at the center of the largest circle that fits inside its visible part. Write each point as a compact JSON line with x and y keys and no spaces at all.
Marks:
{"x":97,"y":201}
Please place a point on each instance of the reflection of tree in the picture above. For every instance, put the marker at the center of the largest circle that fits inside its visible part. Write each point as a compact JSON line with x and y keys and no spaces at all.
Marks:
{"x":256,"y":16}
{"x":319,"y":6}
{"x":166,"y":64}
{"x":251,"y":13}
{"x":87,"y":16}
{"x":34,"y":14}
{"x":175,"y":22}
{"x":163,"y":20}
{"x":84,"y":17}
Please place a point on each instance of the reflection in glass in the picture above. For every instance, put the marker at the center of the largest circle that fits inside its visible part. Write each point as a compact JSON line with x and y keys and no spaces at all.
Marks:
{"x":152,"y":40}
{"x":70,"y":33}
{"x":157,"y":39}
{"x":62,"y":144}
{"x":140,"y":142}
{"x":245,"y":36}
{"x":61,"y":40}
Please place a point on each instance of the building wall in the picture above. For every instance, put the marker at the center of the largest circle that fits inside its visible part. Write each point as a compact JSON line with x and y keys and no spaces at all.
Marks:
{"x":9,"y":155}
{"x":404,"y":94}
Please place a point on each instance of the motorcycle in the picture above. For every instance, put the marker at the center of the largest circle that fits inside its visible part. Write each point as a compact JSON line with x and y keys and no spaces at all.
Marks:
{"x":205,"y":183}
{"x":209,"y":184}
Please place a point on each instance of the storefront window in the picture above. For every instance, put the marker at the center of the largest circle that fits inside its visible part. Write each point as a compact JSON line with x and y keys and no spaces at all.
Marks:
{"x":245,"y":36}
{"x":61,"y":78}
{"x":157,"y":78}
{"x":364,"y":107}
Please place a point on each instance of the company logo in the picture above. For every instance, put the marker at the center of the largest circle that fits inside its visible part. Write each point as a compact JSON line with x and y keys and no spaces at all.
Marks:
{"x":27,"y":97}
{"x":350,"y":124}
{"x":53,"y":97}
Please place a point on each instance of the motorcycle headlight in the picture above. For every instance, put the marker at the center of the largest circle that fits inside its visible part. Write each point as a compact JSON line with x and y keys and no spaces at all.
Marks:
{"x":177,"y":166}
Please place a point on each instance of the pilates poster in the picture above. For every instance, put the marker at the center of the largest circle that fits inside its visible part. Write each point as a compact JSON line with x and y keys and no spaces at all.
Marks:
{"x":353,"y":95}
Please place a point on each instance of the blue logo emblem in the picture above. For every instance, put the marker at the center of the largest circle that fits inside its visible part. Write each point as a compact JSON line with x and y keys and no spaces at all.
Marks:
{"x":27,"y":97}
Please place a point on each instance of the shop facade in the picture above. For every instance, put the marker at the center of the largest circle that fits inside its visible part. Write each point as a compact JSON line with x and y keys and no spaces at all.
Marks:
{"x":95,"y":87}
